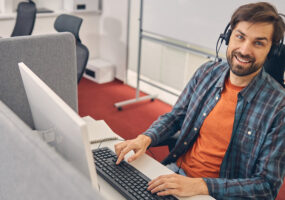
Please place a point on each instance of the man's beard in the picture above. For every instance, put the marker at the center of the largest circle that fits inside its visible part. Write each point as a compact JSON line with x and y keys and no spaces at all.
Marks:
{"x":240,"y":70}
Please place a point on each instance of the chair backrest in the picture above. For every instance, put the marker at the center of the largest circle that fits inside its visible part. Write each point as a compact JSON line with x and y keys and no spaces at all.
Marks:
{"x":275,"y":66}
{"x":68,"y":23}
{"x":26,"y":16}
{"x":52,"y":57}
{"x":82,"y":55}
{"x":72,"y":24}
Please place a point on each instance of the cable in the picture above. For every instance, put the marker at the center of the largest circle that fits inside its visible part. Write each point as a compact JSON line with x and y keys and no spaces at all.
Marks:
{"x":152,"y":154}
{"x":217,"y":59}
{"x":106,"y":140}
{"x":183,"y":157}
{"x":103,"y":139}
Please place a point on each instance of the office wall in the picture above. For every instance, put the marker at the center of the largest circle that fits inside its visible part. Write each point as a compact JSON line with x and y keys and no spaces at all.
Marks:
{"x":113,"y":32}
{"x":169,"y":66}
{"x":192,"y":21}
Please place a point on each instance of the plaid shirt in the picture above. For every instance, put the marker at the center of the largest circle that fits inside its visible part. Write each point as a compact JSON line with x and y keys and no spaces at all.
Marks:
{"x":254,"y":164}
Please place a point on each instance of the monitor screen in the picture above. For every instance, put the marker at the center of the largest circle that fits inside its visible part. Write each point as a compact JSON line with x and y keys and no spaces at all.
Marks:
{"x":51,"y":114}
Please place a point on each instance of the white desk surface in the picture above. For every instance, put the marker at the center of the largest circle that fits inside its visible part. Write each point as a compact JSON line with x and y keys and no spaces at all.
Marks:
{"x":147,"y":165}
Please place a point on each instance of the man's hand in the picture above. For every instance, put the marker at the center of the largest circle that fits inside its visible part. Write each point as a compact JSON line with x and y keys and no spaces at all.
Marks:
{"x":138,"y":145}
{"x":174,"y":184}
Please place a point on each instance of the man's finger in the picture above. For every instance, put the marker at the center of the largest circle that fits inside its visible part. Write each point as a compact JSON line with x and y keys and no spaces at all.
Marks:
{"x":119,"y":147}
{"x":156,"y":182}
{"x":163,"y":186}
{"x":168,"y":192}
{"x":160,"y":177}
{"x":135,"y":156}
{"x":123,"y":153}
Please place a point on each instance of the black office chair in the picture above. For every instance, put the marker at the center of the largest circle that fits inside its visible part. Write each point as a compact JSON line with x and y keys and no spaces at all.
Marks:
{"x":275,"y":66}
{"x":69,"y":23}
{"x":25,"y":21}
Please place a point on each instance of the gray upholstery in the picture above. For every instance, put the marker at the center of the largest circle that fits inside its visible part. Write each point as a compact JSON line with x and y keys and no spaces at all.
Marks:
{"x":30,"y":169}
{"x":25,"y":21}
{"x":51,"y":57}
{"x":68,"y":23}
{"x":82,"y":54}
{"x":72,"y":24}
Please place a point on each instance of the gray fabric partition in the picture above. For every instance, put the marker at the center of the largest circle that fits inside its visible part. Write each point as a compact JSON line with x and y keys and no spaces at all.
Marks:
{"x":52,"y":57}
{"x":30,"y":169}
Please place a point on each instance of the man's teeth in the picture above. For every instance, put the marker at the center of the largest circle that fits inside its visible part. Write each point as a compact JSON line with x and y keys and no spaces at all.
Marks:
{"x":242,"y":60}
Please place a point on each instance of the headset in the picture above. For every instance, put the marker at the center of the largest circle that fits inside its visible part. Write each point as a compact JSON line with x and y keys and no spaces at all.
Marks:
{"x":225,"y":36}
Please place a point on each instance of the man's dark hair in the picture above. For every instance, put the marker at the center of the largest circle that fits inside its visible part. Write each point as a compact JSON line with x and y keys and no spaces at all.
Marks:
{"x":258,"y":13}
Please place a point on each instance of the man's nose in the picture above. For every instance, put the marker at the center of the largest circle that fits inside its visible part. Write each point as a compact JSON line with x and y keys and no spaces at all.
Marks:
{"x":246,"y":48}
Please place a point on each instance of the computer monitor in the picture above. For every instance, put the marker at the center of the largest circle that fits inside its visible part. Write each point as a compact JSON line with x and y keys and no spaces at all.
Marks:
{"x":50,"y":112}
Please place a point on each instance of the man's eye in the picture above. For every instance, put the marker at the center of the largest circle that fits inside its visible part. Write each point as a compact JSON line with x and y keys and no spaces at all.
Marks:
{"x":257,"y":43}
{"x":240,"y":37}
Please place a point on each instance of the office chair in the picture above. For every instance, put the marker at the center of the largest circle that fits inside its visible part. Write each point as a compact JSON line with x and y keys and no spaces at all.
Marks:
{"x":26,"y":16}
{"x":69,"y":23}
{"x":275,"y":66}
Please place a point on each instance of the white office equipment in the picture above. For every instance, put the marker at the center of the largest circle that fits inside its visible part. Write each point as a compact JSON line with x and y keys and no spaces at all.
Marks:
{"x":82,"y":5}
{"x":100,"y":71}
{"x":52,"y":113}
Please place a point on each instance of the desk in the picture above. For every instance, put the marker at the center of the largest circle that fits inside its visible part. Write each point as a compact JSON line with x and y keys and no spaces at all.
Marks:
{"x":146,"y":164}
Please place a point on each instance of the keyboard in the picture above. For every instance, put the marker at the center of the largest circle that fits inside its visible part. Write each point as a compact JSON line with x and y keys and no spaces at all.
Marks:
{"x":126,"y":179}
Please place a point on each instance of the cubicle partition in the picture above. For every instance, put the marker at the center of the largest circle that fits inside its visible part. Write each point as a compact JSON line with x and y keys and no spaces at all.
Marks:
{"x":51,"y":57}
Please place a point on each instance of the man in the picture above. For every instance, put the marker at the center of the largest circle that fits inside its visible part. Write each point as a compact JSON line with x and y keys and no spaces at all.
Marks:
{"x":231,"y":118}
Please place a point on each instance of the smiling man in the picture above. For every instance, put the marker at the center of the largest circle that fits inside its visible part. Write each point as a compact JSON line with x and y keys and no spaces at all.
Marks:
{"x":248,"y":49}
{"x":231,"y":118}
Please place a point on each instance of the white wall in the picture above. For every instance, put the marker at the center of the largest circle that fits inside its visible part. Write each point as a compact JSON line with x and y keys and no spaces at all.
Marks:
{"x":113,"y":25}
{"x":169,"y":66}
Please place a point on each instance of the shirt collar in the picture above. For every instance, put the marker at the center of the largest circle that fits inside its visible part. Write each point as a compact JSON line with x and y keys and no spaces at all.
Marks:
{"x":254,"y":86}
{"x":221,"y":80}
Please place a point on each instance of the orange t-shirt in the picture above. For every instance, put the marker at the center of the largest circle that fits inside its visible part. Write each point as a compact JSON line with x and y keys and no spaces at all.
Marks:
{"x":206,"y":155}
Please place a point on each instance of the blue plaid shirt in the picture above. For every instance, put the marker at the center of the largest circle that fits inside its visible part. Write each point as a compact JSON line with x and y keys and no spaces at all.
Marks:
{"x":254,"y":164}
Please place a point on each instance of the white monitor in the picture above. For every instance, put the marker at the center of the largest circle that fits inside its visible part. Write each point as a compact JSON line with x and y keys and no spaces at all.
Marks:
{"x":50,"y":112}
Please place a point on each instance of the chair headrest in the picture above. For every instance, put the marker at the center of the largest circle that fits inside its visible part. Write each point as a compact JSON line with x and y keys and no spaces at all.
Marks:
{"x":275,"y":66}
{"x":68,"y":23}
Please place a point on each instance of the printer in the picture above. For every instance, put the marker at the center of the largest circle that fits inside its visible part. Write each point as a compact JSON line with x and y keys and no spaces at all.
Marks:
{"x":82,"y":5}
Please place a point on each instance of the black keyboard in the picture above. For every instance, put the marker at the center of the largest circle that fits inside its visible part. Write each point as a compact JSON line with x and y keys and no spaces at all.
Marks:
{"x":126,"y":179}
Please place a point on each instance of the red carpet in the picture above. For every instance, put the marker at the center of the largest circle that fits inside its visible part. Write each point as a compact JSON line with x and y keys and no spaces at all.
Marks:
{"x":97,"y":100}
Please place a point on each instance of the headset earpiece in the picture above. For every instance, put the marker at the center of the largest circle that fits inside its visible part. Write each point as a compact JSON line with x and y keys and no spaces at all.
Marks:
{"x":223,"y":36}
{"x":227,"y":36}
{"x":272,"y":51}
{"x":275,"y":50}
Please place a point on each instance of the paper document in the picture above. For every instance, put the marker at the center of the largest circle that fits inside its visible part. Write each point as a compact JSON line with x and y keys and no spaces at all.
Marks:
{"x":96,"y":128}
